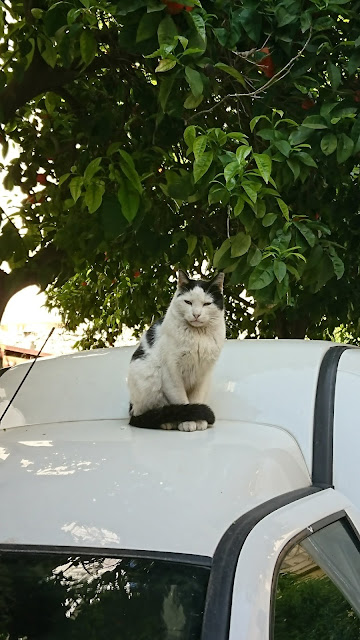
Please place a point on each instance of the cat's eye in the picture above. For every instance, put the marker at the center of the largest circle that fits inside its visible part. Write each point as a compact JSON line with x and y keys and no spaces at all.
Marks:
{"x":206,"y":304}
{"x":187,"y":301}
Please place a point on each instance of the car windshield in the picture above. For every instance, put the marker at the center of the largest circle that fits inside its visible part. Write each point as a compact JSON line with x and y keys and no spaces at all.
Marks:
{"x":48,"y":596}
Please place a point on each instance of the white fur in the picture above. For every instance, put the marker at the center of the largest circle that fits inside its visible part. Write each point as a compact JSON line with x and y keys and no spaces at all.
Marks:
{"x":178,"y":366}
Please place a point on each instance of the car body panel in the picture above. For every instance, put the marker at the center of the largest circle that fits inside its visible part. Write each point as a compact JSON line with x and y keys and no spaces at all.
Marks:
{"x":346,"y":426}
{"x":251,"y":381}
{"x":103,"y":483}
{"x":250,"y":613}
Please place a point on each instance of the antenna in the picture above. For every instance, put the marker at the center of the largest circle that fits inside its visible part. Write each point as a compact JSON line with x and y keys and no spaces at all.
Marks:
{"x":26,"y":375}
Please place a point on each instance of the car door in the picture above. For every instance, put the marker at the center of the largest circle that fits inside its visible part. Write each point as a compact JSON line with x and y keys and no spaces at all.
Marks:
{"x":305,"y":552}
{"x":316,"y":533}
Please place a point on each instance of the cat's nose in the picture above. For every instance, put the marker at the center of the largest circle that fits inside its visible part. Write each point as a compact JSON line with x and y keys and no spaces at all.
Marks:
{"x":196,"y":315}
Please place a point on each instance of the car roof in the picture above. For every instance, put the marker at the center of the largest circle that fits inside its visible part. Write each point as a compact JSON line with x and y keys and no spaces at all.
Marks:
{"x":105,"y":484}
{"x":75,"y":473}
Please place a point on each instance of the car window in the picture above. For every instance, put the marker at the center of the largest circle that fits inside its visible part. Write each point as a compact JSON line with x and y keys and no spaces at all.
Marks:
{"x":318,"y":588}
{"x":52,"y":597}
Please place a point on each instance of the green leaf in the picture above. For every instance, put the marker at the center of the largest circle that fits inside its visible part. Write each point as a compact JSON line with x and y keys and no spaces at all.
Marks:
{"x":88,"y":47}
{"x":93,"y":196}
{"x":166,"y":85}
{"x":263,"y":163}
{"x":315,"y":122}
{"x":279,"y":270}
{"x":221,"y":252}
{"x":344,"y":148}
{"x":337,"y":263}
{"x":240,"y":244}
{"x":254,"y":257}
{"x":262,"y":276}
{"x":195,"y":81}
{"x":305,"y":158}
{"x":231,"y":170}
{"x":249,"y":191}
{"x":37,"y":13}
{"x":199,"y":146}
{"x":92,"y":168}
{"x":189,"y":136}
{"x":202,"y":164}
{"x":63,"y":178}
{"x":199,"y":25}
{"x":165,"y":65}
{"x":239,"y":206}
{"x":191,"y":102}
{"x":241,"y":153}
{"x":75,"y":187}
{"x":328,"y":144}
{"x":48,"y":51}
{"x":167,"y":31}
{"x":255,"y":120}
{"x":191,"y":242}
{"x":334,"y":75}
{"x":231,"y":72}
{"x":251,"y":20}
{"x":283,"y":147}
{"x":129,"y":200}
{"x":128,"y":168}
{"x":283,"y":208}
{"x":147,"y":26}
{"x":269,"y":219}
{"x":294,"y":166}
{"x":354,"y":63}
{"x":306,"y":232}
{"x":218,"y":194}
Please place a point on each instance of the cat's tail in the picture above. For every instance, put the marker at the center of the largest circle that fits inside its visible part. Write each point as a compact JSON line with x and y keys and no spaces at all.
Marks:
{"x":154,"y":418}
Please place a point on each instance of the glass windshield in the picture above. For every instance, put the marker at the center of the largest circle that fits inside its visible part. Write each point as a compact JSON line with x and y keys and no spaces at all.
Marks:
{"x":51,"y":597}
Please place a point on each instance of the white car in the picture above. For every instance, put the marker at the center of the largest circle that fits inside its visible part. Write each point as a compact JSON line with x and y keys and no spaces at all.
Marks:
{"x":246,"y":531}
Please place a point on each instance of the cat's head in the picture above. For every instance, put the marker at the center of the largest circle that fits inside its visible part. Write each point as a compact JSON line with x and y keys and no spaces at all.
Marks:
{"x":199,"y":302}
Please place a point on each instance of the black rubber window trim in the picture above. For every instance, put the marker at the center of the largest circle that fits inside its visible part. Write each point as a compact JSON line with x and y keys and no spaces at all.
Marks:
{"x":4,"y":370}
{"x":183,"y":558}
{"x":302,"y":535}
{"x":322,"y":460}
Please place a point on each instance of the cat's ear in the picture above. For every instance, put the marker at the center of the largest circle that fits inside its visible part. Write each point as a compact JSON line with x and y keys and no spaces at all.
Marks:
{"x":183,"y":278}
{"x":218,"y":281}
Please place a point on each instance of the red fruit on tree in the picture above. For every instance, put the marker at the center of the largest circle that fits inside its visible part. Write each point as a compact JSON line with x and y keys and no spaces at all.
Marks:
{"x":173,"y":7}
{"x":307,"y":104}
{"x":266,"y":64}
{"x":30,"y":199}
{"x":357,"y":96}
{"x":189,"y":8}
{"x":137,"y":274}
{"x":84,"y":284}
{"x":41,"y":178}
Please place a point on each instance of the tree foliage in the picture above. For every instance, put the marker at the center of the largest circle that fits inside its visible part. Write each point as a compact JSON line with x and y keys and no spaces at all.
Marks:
{"x":221,"y":134}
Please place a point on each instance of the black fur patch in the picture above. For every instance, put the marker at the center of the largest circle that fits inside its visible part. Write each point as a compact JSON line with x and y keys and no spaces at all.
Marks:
{"x":209,"y":287}
{"x":139,"y":353}
{"x":154,"y":418}
{"x":151,"y":332}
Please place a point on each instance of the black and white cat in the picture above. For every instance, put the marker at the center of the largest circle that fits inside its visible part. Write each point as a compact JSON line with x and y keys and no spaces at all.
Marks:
{"x":171,"y":368}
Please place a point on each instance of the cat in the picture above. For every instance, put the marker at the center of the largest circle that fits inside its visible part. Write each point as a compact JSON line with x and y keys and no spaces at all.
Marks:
{"x":171,"y":368}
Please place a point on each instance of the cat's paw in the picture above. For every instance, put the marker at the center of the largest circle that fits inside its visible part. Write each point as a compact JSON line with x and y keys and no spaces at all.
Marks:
{"x":187,"y":426}
{"x":168,"y":426}
{"x":201,"y":425}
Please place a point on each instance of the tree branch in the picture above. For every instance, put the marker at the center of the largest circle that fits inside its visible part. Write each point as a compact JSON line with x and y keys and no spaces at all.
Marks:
{"x":257,"y":92}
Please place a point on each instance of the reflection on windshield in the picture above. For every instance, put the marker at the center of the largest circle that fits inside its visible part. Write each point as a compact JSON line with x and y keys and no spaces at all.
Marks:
{"x":52,"y":597}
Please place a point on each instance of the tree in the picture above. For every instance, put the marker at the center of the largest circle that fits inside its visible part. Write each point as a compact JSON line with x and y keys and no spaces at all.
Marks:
{"x":223,"y":134}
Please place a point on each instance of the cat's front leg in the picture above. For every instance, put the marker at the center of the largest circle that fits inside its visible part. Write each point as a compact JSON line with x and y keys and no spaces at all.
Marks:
{"x":174,"y":391}
{"x":199,"y":394}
